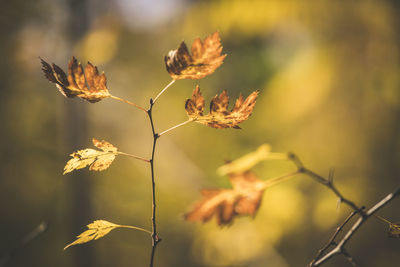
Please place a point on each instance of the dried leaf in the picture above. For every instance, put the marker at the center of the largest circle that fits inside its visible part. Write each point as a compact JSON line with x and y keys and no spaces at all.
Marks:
{"x":243,"y":199}
{"x":205,"y":59}
{"x":97,"y":229}
{"x":88,"y":84}
{"x":245,"y":162}
{"x":394,"y":230}
{"x":219,"y":116}
{"x":98,"y":160}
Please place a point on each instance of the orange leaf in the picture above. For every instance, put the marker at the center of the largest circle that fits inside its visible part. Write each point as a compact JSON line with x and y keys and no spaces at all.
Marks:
{"x":243,"y":199}
{"x":88,"y":84}
{"x":219,"y":116}
{"x":205,"y":59}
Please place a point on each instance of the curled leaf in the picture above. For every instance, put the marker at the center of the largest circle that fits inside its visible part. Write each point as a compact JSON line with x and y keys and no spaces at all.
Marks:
{"x":88,"y":85}
{"x":205,"y":59}
{"x":245,"y":162}
{"x":219,"y":116}
{"x":98,"y":160}
{"x":243,"y":199}
{"x":97,"y":229}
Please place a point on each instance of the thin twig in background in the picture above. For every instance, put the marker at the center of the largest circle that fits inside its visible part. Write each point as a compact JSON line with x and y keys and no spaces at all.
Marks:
{"x":340,"y":247}
{"x":326,"y":182}
{"x":331,"y":241}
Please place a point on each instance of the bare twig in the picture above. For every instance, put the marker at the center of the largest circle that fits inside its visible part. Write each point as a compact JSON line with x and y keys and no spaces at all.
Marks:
{"x":162,"y":91}
{"x":326,"y":182}
{"x":154,"y":235}
{"x":331,"y":241}
{"x":128,"y":102}
{"x":174,"y":127}
{"x":132,"y":156}
{"x":277,"y":180}
{"x":340,"y":247}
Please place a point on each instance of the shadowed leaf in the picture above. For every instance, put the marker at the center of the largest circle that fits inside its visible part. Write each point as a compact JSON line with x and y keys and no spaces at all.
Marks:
{"x":205,"y":59}
{"x":88,"y":84}
{"x":98,"y":160}
{"x":243,"y":199}
{"x":219,"y":116}
{"x":97,"y":229}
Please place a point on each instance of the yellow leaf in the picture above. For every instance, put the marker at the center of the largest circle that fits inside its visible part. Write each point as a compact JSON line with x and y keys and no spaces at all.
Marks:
{"x":88,"y":84}
{"x":205,"y":59}
{"x":219,"y":116}
{"x":98,"y":160}
{"x":246,"y":162}
{"x":97,"y":229}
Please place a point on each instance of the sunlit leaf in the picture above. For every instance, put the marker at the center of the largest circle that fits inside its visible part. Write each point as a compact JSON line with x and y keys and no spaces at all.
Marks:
{"x":394,"y":230}
{"x":243,"y":199}
{"x":245,"y":162}
{"x":219,"y":116}
{"x":98,"y":160}
{"x":88,"y":84}
{"x":97,"y":229}
{"x":205,"y":59}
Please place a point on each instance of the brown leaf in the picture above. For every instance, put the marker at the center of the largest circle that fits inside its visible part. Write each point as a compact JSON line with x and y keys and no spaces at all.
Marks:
{"x":88,"y":84}
{"x":394,"y":230}
{"x":98,"y":160}
{"x":219,"y":116}
{"x":243,"y":199}
{"x":97,"y":229}
{"x":205,"y":59}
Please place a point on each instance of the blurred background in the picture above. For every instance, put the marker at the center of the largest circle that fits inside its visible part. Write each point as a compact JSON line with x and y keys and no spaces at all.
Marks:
{"x":328,"y":75}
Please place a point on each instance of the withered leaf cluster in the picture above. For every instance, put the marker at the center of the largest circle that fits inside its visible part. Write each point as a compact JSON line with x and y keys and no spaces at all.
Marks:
{"x":98,"y":160}
{"x":86,"y":84}
{"x":243,"y":199}
{"x":205,"y":59}
{"x":219,"y":115}
{"x":97,"y":229}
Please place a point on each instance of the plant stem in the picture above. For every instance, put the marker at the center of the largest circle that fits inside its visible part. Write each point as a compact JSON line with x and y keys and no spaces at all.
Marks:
{"x":279,"y":179}
{"x":339,"y":248}
{"x":128,"y":102}
{"x":154,"y":235}
{"x":133,"y":156}
{"x":135,"y":228}
{"x":174,"y":127}
{"x":382,"y":219}
{"x":326,"y":182}
{"x":162,"y":91}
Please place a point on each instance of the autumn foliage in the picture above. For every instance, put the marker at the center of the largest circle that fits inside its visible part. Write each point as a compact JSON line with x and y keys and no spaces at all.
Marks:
{"x":243,"y":197}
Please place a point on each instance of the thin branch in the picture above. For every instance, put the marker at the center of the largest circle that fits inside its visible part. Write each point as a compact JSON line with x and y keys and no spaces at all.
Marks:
{"x":135,"y":228}
{"x":339,"y":248}
{"x":132,"y":156}
{"x":382,"y":219}
{"x":174,"y":127}
{"x":326,"y":182}
{"x":277,"y":180}
{"x":331,"y":241}
{"x":162,"y":91}
{"x":154,"y":235}
{"x":128,"y":102}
